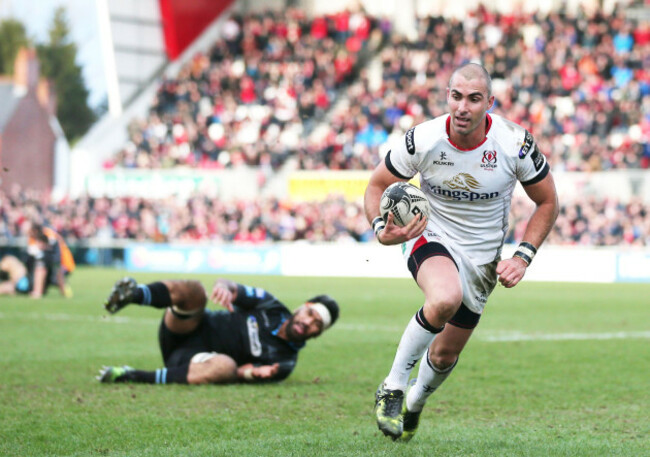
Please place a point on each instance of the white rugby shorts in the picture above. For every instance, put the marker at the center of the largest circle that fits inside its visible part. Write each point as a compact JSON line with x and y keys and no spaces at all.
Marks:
{"x":477,"y":281}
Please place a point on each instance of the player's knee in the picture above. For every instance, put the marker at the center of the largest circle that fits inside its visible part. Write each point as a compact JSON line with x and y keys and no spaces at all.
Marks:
{"x":187,"y":294}
{"x":222,"y":369}
{"x":196,"y":293}
{"x":215,"y":370}
{"x":443,"y":305}
{"x":442,"y":359}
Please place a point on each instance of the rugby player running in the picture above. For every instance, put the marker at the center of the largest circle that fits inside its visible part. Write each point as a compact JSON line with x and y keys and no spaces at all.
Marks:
{"x":469,"y":162}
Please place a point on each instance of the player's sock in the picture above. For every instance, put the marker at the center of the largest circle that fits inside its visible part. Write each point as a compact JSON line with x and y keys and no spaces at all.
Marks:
{"x":148,"y":377}
{"x":417,"y":337}
{"x":173,"y":375}
{"x":429,"y":379}
{"x":155,"y":294}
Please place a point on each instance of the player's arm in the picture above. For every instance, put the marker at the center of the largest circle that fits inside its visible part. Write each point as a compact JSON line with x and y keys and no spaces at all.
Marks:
{"x":40,"y":276}
{"x":261,"y":373}
{"x":53,"y":256}
{"x":265,"y":373}
{"x":224,"y":293}
{"x":231,"y":294}
{"x":543,"y":193}
{"x":391,"y":233}
{"x":60,"y":281}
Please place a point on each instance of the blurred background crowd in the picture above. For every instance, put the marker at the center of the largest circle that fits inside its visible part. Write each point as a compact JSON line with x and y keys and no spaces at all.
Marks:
{"x":584,"y":220}
{"x":579,"y":83}
{"x":282,"y":90}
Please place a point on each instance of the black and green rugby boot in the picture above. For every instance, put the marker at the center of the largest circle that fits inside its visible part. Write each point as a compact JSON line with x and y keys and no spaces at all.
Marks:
{"x":388,"y":409}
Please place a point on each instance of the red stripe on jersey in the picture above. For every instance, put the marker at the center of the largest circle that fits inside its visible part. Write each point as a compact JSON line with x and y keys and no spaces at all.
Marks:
{"x":488,"y":125}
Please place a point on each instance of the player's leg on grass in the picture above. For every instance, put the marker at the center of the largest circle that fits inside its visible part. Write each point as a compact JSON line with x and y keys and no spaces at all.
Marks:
{"x":185,"y":301}
{"x":435,"y":367}
{"x":186,"y":298}
{"x":189,"y":300}
{"x":212,"y":368}
{"x":438,"y":278}
{"x":205,"y":368}
{"x":7,"y":288}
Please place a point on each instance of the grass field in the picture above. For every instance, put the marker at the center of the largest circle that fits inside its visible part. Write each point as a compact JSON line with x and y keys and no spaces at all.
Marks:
{"x":553,"y":370}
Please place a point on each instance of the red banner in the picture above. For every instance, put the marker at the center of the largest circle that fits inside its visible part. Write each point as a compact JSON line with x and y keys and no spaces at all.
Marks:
{"x":185,"y":20}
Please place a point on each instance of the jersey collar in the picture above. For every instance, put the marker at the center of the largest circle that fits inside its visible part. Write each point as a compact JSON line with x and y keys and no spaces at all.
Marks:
{"x":488,"y":125}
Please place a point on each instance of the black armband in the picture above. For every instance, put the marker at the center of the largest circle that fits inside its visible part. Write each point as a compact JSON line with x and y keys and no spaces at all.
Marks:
{"x":378,"y":225}
{"x":526,"y":252}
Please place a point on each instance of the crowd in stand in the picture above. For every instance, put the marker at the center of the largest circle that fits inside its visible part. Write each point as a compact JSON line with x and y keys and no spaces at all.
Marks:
{"x":254,"y":98}
{"x":200,"y":218}
{"x":582,"y":220}
{"x":579,"y":83}
{"x":589,"y":221}
{"x":331,"y":91}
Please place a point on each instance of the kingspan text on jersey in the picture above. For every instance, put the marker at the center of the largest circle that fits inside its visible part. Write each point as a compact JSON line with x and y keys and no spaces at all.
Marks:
{"x":463,"y":194}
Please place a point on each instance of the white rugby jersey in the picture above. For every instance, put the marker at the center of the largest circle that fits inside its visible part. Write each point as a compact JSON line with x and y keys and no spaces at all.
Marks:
{"x":469,"y":191}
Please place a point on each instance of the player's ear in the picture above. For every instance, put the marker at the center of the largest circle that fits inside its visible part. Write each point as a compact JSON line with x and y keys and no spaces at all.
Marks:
{"x":490,"y":102}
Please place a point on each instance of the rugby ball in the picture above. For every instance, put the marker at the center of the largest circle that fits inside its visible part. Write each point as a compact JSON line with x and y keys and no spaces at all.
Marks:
{"x":405,"y":201}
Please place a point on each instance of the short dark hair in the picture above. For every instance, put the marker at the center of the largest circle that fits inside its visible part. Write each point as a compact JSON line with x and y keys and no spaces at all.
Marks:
{"x":474,"y":69}
{"x":329,"y":303}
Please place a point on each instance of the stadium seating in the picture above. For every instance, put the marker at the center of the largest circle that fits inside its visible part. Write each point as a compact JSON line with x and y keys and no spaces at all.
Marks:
{"x":583,"y":221}
{"x":277,"y":89}
{"x":255,"y":96}
{"x":328,"y":92}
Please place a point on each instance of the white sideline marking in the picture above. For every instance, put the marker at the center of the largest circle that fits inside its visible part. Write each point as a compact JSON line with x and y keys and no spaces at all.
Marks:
{"x":80,"y":318}
{"x":497,"y":336}
{"x":486,"y":335}
{"x":519,"y":336}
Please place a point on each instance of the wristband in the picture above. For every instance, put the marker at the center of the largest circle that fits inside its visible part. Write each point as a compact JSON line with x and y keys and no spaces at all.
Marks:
{"x":378,"y":225}
{"x":526,"y":252}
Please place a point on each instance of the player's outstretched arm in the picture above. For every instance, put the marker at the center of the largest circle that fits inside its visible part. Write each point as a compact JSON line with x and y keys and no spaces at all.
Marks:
{"x":543,"y":193}
{"x":252,"y":373}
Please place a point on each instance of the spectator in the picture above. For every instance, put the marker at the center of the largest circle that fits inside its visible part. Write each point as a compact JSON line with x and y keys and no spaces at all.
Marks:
{"x":264,"y":81}
{"x":49,"y":260}
{"x":583,"y":220}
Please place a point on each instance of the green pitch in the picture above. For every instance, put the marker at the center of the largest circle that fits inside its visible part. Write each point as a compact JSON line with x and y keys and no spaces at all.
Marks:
{"x":553,"y":370}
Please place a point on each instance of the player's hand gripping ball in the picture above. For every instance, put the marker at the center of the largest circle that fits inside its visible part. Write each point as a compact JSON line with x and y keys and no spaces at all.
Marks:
{"x":405,"y":201}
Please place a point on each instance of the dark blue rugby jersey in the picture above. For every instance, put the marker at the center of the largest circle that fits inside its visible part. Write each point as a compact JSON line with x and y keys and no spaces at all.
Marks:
{"x":249,"y":334}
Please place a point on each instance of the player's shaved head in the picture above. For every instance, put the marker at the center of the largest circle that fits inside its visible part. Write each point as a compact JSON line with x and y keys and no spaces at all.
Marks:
{"x":471,"y":71}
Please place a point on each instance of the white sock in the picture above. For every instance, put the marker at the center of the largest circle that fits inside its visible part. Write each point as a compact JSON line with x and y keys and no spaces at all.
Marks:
{"x":429,"y":379}
{"x":415,"y":340}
